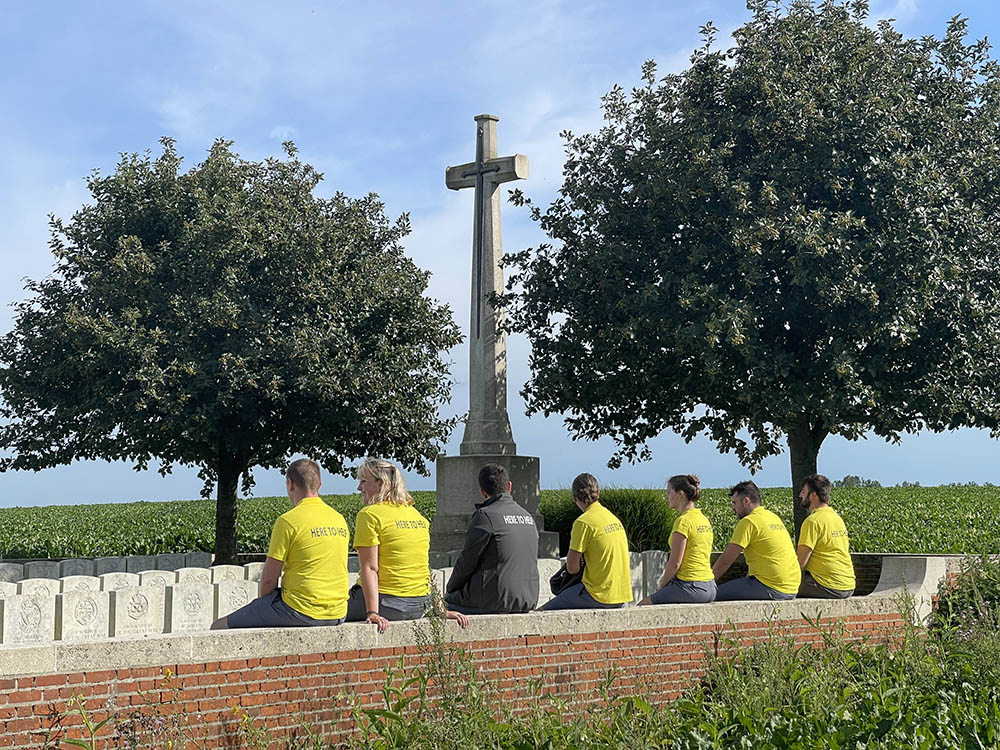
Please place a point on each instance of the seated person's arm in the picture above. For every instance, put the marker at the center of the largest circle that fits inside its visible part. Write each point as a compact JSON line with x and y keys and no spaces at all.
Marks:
{"x":476,"y":539}
{"x":804,"y":554}
{"x":269,"y":576}
{"x":368,"y":577}
{"x":727,"y":558}
{"x":678,"y":544}
{"x":573,"y":559}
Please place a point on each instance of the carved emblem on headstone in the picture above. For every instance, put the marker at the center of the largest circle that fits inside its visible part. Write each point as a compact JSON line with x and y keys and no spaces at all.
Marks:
{"x":86,"y":611}
{"x":238,"y":597}
{"x":200,"y":578}
{"x":30,"y":616}
{"x":158,"y":580}
{"x":81,"y":586}
{"x":228,"y":575}
{"x":137,"y":606}
{"x":192,"y":603}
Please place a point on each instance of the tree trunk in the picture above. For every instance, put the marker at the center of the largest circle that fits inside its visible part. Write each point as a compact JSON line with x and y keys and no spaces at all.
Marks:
{"x":804,"y":441}
{"x":225,"y":511}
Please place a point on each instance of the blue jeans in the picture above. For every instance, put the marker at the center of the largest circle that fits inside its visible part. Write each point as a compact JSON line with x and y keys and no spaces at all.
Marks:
{"x":576,"y":597}
{"x":270,"y":611}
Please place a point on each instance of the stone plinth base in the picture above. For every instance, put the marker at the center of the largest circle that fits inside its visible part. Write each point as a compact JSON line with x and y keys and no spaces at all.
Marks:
{"x":458,"y":492}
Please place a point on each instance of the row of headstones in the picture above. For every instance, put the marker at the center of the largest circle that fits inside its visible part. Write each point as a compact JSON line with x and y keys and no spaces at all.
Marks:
{"x":13,"y":572}
{"x":86,"y":608}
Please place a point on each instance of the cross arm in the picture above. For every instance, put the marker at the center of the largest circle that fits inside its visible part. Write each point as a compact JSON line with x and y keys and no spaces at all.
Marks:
{"x":501,"y":169}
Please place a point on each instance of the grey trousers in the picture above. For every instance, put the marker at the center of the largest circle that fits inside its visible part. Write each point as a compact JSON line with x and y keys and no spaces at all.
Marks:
{"x":576,"y":597}
{"x":749,"y":588}
{"x":812,"y":589}
{"x":392,"y":608}
{"x":685,"y":592}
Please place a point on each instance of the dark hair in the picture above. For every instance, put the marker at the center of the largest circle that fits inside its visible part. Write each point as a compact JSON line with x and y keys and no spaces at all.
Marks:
{"x":304,"y":474}
{"x":746,"y":489}
{"x":688,"y":484}
{"x":820,"y":485}
{"x":585,"y":488}
{"x":494,"y":480}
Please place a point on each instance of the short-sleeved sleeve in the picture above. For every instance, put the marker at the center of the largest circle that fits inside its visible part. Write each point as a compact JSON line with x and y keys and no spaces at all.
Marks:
{"x":281,"y":540}
{"x":809,"y":533}
{"x":744,"y":533}
{"x":682,"y":526}
{"x":366,"y":529}
{"x":580,"y":536}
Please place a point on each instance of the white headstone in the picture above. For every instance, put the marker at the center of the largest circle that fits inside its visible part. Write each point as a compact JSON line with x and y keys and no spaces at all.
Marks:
{"x":118,"y":580}
{"x":7,"y":589}
{"x":104,"y":565}
{"x":77,"y":567}
{"x":253,"y":570}
{"x":157,"y":577}
{"x":83,"y":615}
{"x":439,"y":579}
{"x":27,"y":619}
{"x":11,"y":572}
{"x":190,"y":607}
{"x":546,"y":569}
{"x":43,"y":588}
{"x":41,"y":569}
{"x":654,"y":562}
{"x":222,"y":573}
{"x":79,"y":583}
{"x":137,"y":610}
{"x":198,"y":559}
{"x":231,"y":595}
{"x":194,"y":575}
{"x":637,"y":568}
{"x":139,"y":563}
{"x":171,"y":561}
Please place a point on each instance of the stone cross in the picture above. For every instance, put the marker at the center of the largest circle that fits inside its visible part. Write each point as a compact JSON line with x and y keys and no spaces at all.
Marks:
{"x":487,"y":428}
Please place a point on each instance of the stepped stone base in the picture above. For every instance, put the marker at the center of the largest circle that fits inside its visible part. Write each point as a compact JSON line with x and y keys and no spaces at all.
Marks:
{"x":458,"y":492}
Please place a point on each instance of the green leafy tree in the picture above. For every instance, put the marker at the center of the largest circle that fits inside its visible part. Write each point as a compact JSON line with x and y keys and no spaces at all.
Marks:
{"x":225,"y":318}
{"x":791,"y":239}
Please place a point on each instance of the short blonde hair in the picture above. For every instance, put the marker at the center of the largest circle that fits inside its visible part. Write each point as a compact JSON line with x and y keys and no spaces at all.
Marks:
{"x":392,"y":488}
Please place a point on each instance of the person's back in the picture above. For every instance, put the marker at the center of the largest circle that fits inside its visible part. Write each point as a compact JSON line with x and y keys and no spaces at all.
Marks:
{"x":601,"y":537}
{"x":497,"y":570}
{"x":402,"y":536}
{"x":313,"y":539}
{"x":824,"y":549}
{"x":768,"y":550}
{"x":308,"y":554}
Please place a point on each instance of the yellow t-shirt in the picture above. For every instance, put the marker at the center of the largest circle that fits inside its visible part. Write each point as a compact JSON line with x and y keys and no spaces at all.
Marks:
{"x":825,"y":534}
{"x":768,"y":550}
{"x":403,"y":539}
{"x":697,"y":562}
{"x":311,"y":541}
{"x":600,"y":536}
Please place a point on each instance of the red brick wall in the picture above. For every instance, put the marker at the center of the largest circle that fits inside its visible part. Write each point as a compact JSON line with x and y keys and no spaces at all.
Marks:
{"x":209,"y":700}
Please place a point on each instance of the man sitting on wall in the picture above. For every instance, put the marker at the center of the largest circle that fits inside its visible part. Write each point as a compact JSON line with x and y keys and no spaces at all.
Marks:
{"x":764,"y":541}
{"x":309,"y":545}
{"x":497,"y":570}
{"x":824,"y":552}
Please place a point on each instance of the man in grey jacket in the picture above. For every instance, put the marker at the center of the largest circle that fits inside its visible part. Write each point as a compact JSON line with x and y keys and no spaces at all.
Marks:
{"x":497,"y":571}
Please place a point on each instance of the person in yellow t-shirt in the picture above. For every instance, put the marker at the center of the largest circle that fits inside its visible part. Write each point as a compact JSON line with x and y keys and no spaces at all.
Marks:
{"x":392,"y":540}
{"x":765,"y":543}
{"x":598,"y":544}
{"x":824,"y":549}
{"x":308,"y":551}
{"x":688,"y":578}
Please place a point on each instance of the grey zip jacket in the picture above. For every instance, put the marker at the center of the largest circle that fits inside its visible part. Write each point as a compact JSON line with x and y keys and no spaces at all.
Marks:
{"x":497,"y":570}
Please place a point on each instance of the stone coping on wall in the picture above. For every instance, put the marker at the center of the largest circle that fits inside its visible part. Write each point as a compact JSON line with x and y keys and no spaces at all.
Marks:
{"x":910,"y":576}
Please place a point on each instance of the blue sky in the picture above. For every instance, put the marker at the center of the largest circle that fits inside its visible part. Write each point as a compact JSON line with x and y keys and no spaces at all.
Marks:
{"x":380,"y":97}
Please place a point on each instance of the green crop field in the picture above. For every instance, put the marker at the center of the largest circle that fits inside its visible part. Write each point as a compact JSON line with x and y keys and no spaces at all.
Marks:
{"x":892,"y":519}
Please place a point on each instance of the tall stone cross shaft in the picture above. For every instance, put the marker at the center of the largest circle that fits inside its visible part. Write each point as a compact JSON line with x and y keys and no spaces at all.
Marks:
{"x":487,"y":428}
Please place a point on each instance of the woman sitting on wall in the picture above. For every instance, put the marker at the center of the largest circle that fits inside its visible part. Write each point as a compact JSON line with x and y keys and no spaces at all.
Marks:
{"x":598,"y":539}
{"x":688,"y":577}
{"x":392,"y":540}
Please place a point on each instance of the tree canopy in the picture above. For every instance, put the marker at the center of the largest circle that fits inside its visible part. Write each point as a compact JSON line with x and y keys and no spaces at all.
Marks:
{"x":225,"y":318}
{"x":792,"y":238}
